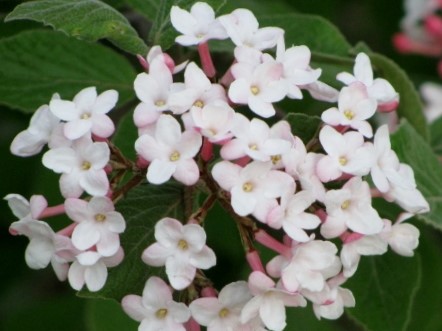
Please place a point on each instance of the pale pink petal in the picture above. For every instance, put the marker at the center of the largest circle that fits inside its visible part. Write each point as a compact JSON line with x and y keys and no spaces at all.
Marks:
{"x":168,"y":231}
{"x":156,"y":293}
{"x":226,"y":174}
{"x":27,"y":144}
{"x":133,"y":306}
{"x":205,"y":310}
{"x":149,"y":148}
{"x":19,"y":206}
{"x":155,"y":255}
{"x":204,"y":259}
{"x":64,"y":110}
{"x":190,"y":144}
{"x":260,"y":107}
{"x":239,"y":91}
{"x":85,"y":235}
{"x":105,"y":102}
{"x":76,"y":276}
{"x":108,"y":244}
{"x":102,"y":126}
{"x":95,"y":182}
{"x":70,"y":186}
{"x":39,"y":252}
{"x":272,"y":313}
{"x":182,"y":20}
{"x":168,"y":130}
{"x":362,"y":69}
{"x":95,"y":276}
{"x":77,"y":128}
{"x":179,"y":273}
{"x":160,"y":172}
{"x":60,"y":160}
{"x":195,"y":236}
{"x":187,"y":172}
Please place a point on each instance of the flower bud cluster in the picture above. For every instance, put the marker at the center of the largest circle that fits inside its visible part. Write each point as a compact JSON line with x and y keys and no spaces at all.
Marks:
{"x":209,"y":131}
{"x":421,"y":29}
{"x":75,"y":132}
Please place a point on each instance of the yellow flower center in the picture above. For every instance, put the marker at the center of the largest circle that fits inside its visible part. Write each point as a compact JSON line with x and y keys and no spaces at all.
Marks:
{"x":100,"y":217}
{"x":175,"y":156}
{"x":161,"y":313}
{"x":345,"y":204}
{"x":198,"y":103}
{"x":343,"y":160}
{"x":275,"y":158}
{"x":223,"y":313}
{"x":85,"y":116}
{"x":254,"y":89}
{"x":247,"y":187}
{"x":183,"y":245}
{"x":253,"y":147}
{"x":86,"y":165}
{"x":349,"y":114}
{"x":159,"y":103}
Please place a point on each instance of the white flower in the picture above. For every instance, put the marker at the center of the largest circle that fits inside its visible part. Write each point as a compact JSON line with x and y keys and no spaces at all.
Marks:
{"x":170,"y":152}
{"x":243,"y":29}
{"x":197,"y":26}
{"x":214,"y":121}
{"x":254,"y":188}
{"x":347,"y":153}
{"x":350,"y":207}
{"x":98,"y":224}
{"x":197,"y":91}
{"x":352,"y":250}
{"x":354,"y":108}
{"x":258,"y":87}
{"x":269,"y":302}
{"x":24,"y":209}
{"x":156,"y":309}
{"x":291,"y":215}
{"x":222,"y":313}
{"x":90,"y":268}
{"x":255,"y":139}
{"x":41,"y":127}
{"x":379,"y":89}
{"x":182,"y":249}
{"x":81,"y":166}
{"x":86,"y":113}
{"x":403,"y":238}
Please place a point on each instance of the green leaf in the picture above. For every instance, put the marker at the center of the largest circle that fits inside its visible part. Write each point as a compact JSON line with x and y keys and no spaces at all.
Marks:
{"x":313,"y":31}
{"x":149,"y":8}
{"x":413,"y":150}
{"x":107,"y":315}
{"x":410,"y":105}
{"x":425,"y":313}
{"x":436,"y":136}
{"x":304,"y":126}
{"x":36,"y":64}
{"x":163,"y":33}
{"x":125,"y":136}
{"x":142,"y":208}
{"x":385,"y":288}
{"x":89,"y":20}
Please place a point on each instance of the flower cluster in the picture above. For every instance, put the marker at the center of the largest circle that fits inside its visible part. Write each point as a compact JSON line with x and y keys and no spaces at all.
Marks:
{"x":209,"y":131}
{"x":75,"y":132}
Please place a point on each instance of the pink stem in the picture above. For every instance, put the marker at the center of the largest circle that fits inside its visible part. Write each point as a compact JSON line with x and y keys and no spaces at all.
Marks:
{"x":206,"y":60}
{"x":406,"y":45}
{"x":433,"y":25}
{"x":321,"y":214}
{"x":348,"y":237}
{"x":267,"y":240}
{"x":143,"y":62}
{"x":192,"y":325}
{"x":67,"y":231}
{"x":142,"y":163}
{"x":255,"y":261}
{"x":375,"y":193}
{"x":207,"y":150}
{"x":52,"y":211}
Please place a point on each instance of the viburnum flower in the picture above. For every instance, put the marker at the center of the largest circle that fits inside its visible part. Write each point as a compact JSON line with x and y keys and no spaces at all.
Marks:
{"x":254,"y":188}
{"x":214,"y":121}
{"x":156,"y":309}
{"x":170,"y":152}
{"x":182,"y":249}
{"x":346,"y":153}
{"x":403,"y":238}
{"x":291,"y":215}
{"x":98,"y":224}
{"x":354,"y":108}
{"x":330,"y":302}
{"x":197,"y":26}
{"x":258,"y":87}
{"x":255,"y":139}
{"x":90,"y":268}
{"x":81,"y":166}
{"x":86,"y":113}
{"x":269,"y":302}
{"x":243,"y":29}
{"x":404,"y":192}
{"x":362,"y":245}
{"x":296,"y":68}
{"x":310,"y":265}
{"x":41,"y":127}
{"x":24,"y":209}
{"x":222,"y":313}
{"x":379,"y":89}
{"x":350,"y":207}
{"x":196,"y":91}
